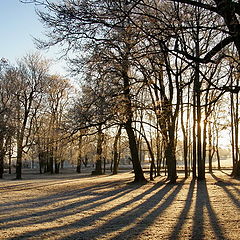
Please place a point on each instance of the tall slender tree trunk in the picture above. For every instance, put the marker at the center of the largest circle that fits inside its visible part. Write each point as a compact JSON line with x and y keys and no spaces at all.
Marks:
{"x":2,"y":151}
{"x":194,"y":143}
{"x":235,"y":134}
{"x":159,"y":153}
{"x":201,"y":164}
{"x":1,"y":158}
{"x":98,"y":166}
{"x":207,"y":110}
{"x":51,"y":160}
{"x":152,"y":162}
{"x":171,"y":156}
{"x":57,"y":166}
{"x":138,"y":172}
{"x":9,"y":150}
{"x":237,"y":167}
{"x":19,"y":156}
{"x":20,"y":136}
{"x":217,"y":146}
{"x":210,"y":147}
{"x":185,"y":136}
{"x":197,"y":90}
{"x":115,"y":151}
{"x":79,"y":160}
{"x":204,"y":142}
{"x":10,"y":163}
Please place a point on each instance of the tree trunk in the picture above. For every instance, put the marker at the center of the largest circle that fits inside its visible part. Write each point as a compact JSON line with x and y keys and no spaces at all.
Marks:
{"x":57,"y":161}
{"x":79,"y":160}
{"x":194,"y":144}
{"x":104,"y":165}
{"x":236,"y":171}
{"x":98,"y":167}
{"x":19,"y":158}
{"x":51,"y":161}
{"x":159,"y":154}
{"x":171,"y":156}
{"x":152,"y":164}
{"x":201,"y":165}
{"x":1,"y":164}
{"x":1,"y":157}
{"x":62,"y":164}
{"x":218,"y":158}
{"x":210,"y":147}
{"x":10,"y":163}
{"x":20,"y":136}
{"x":139,"y":177}
{"x":185,"y":137}
{"x":217,"y":147}
{"x":57,"y":167}
{"x":204,"y":149}
{"x":115,"y":151}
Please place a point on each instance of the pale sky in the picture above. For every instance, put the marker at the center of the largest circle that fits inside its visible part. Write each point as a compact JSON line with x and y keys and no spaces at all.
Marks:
{"x":19,"y":24}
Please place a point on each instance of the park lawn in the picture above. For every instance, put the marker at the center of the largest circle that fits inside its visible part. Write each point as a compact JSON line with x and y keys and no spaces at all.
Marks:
{"x":72,"y":206}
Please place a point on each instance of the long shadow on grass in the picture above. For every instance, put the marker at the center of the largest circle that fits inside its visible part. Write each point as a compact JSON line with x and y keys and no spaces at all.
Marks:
{"x":202,"y":202}
{"x":223,"y":185}
{"x":29,"y":185}
{"x":90,"y":220}
{"x":69,"y":208}
{"x":141,"y":216}
{"x":56,"y":196}
{"x":144,"y":214}
{"x":183,"y":215}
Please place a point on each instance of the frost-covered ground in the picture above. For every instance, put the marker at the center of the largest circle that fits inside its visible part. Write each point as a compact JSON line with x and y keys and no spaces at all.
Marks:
{"x":71,"y":206}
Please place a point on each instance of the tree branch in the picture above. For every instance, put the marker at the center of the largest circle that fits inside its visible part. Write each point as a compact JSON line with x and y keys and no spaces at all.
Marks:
{"x":197,"y":4}
{"x":218,"y":47}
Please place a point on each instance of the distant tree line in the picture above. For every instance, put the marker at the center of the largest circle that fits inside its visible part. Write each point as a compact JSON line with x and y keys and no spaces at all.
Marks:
{"x":33,"y":104}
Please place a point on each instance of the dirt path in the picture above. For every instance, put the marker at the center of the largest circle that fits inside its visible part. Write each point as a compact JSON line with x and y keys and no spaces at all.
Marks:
{"x":109,"y":207}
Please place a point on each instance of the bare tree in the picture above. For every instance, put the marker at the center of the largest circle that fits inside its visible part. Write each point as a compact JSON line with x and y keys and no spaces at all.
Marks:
{"x":98,"y":27}
{"x":29,"y":82}
{"x":6,"y":111}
